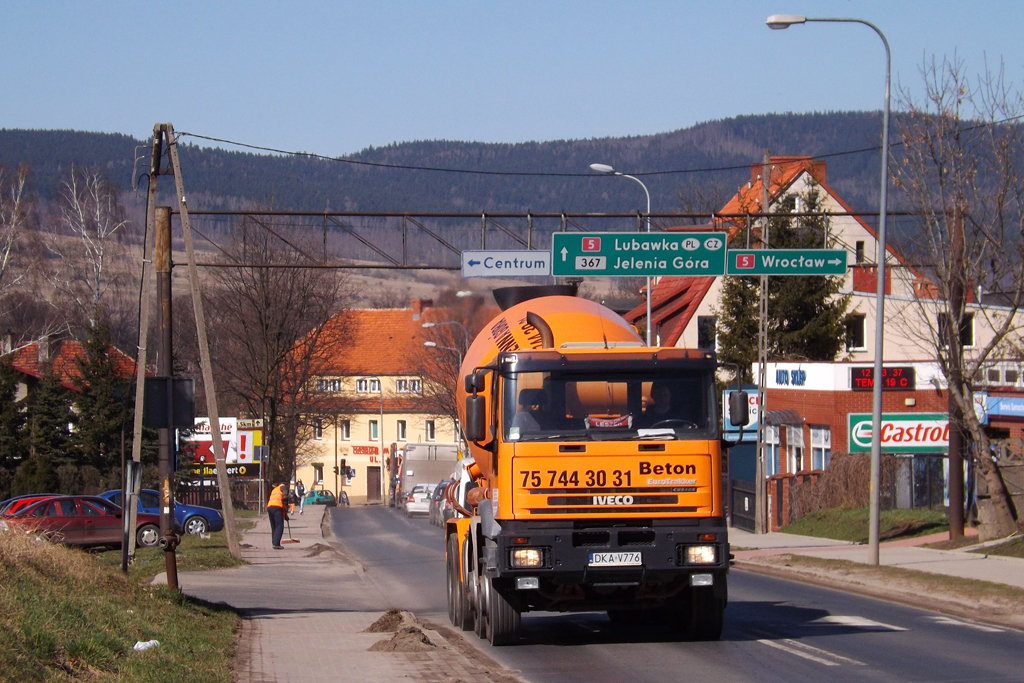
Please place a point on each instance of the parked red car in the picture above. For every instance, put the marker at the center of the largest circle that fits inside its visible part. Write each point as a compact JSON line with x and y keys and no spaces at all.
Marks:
{"x":11,"y":507}
{"x":81,"y":521}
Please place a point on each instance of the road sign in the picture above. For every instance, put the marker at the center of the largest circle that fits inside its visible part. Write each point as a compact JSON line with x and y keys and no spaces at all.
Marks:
{"x":787,"y":262}
{"x":505,"y":263}
{"x":618,"y":254}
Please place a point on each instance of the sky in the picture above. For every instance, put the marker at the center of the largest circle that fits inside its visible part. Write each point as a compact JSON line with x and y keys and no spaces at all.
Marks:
{"x":337,"y":77}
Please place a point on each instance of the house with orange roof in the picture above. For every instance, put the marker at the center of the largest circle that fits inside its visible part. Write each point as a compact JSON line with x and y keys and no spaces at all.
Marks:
{"x":375,"y":398}
{"x":64,"y":355}
{"x":813,"y":408}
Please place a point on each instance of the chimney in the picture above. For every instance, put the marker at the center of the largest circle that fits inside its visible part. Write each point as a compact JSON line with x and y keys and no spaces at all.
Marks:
{"x":6,"y":346}
{"x":43,"y":346}
{"x":420,"y":305}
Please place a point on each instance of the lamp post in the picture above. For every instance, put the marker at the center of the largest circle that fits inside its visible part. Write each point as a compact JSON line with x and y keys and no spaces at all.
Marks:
{"x":783,"y":21}
{"x":456,"y":323}
{"x":457,"y":352}
{"x":608,"y":170}
{"x":380,"y":436}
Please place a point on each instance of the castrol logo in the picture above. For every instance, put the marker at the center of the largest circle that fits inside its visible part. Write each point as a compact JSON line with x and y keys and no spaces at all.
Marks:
{"x":901,"y":433}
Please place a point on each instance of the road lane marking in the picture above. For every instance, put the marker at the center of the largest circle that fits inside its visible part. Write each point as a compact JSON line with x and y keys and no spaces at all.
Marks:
{"x":956,"y":622}
{"x":857,"y":622}
{"x":814,"y":654}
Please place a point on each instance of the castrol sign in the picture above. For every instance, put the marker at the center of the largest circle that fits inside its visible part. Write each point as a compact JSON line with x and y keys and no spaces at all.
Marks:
{"x":901,"y":432}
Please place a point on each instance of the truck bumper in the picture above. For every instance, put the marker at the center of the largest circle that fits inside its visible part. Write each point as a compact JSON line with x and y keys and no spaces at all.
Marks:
{"x":608,"y":565}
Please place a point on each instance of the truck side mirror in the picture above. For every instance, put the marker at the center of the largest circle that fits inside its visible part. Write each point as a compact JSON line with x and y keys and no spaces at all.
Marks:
{"x":739,"y":408}
{"x":474,"y":382}
{"x":476,"y":417}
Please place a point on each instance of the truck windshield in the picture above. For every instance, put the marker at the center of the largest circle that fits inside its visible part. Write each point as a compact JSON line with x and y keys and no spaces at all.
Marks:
{"x":667,"y":404}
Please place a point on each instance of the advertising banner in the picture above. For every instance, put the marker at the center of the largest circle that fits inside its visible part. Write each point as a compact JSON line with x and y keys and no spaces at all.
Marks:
{"x":901,"y":432}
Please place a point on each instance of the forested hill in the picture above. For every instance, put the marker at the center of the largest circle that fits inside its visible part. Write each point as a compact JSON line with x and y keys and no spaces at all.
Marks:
{"x":216,"y":178}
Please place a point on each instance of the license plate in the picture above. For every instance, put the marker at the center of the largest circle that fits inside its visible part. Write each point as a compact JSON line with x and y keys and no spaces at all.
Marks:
{"x":616,"y":559}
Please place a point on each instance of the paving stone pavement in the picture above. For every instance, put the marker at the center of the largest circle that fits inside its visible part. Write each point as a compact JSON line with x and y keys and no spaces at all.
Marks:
{"x":306,"y":609}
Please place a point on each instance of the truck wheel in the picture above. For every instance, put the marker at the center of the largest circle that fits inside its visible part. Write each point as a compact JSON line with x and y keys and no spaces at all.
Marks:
{"x":455,"y":593}
{"x":503,"y":620}
{"x":705,"y":616}
{"x":480,"y":609}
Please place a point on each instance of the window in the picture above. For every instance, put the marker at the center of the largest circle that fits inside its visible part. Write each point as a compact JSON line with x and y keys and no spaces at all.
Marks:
{"x":707,"y":332}
{"x":373,"y":430}
{"x":407,"y":386}
{"x":771,"y":451}
{"x":429,"y":428}
{"x":346,"y":430}
{"x":401,"y":430}
{"x":368,"y":386}
{"x":794,"y":449}
{"x":855,"y":332}
{"x":821,"y":447}
{"x":318,"y":428}
{"x":966,"y":330}
{"x":328,"y":385}
{"x":318,"y":473}
{"x":859,"y":252}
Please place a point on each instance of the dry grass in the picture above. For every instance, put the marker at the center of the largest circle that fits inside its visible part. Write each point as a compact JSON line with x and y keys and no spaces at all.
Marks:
{"x":69,"y":616}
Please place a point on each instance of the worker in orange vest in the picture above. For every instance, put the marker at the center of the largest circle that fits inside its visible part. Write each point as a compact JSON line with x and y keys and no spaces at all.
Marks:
{"x":276,"y":513}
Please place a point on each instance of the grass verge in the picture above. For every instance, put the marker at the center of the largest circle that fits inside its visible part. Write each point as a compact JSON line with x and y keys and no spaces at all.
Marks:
{"x":1014,"y":548}
{"x":846,"y":524}
{"x":192,"y":554}
{"x":68,"y":615}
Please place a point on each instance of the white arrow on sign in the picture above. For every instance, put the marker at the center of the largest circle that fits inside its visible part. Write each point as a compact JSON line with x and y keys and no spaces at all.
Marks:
{"x":835,"y":262}
{"x":564,"y":253}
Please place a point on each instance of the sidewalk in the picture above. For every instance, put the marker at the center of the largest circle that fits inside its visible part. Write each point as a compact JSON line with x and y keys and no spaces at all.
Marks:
{"x":305,"y":611}
{"x":904,"y":553}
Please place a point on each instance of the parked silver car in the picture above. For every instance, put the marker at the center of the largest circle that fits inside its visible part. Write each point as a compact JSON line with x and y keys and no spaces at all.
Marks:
{"x":417,"y":502}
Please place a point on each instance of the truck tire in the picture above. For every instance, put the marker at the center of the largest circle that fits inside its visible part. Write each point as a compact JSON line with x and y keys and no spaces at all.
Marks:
{"x":503,"y":620}
{"x":479,"y":592}
{"x":705,"y":615}
{"x":456,"y":598}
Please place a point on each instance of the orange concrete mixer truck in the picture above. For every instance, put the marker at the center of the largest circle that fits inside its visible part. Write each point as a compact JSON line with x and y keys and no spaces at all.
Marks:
{"x":595,"y":476}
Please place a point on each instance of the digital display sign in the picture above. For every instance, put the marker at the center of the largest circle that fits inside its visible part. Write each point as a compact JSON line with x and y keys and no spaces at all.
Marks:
{"x":896,"y":378}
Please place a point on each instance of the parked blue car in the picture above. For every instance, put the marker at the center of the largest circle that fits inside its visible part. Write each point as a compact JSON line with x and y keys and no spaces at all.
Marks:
{"x":191,"y":519}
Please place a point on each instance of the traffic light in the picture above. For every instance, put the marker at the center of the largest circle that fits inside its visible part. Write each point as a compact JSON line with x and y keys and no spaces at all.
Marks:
{"x":335,"y":469}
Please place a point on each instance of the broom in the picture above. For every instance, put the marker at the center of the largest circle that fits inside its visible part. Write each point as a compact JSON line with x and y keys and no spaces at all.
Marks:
{"x":289,"y":539}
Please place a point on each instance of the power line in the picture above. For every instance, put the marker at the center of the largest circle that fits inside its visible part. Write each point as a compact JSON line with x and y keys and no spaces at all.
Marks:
{"x":549,"y":174}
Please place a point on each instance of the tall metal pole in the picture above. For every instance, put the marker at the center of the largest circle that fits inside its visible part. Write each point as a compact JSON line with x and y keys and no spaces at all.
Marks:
{"x":781,"y":21}
{"x":165,"y":368}
{"x":762,"y":524}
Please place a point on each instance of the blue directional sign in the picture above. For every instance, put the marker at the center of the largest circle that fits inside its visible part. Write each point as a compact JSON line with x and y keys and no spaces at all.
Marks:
{"x":484,"y":263}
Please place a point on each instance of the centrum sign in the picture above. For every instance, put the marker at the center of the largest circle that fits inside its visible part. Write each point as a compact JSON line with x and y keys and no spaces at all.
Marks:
{"x":616,"y":254}
{"x":901,"y":432}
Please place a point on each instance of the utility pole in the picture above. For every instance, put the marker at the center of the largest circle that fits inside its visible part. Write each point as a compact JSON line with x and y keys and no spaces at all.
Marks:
{"x":165,"y":369}
{"x":761,"y":523}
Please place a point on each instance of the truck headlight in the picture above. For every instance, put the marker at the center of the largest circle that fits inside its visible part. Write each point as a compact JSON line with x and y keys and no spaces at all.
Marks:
{"x":527,"y":558}
{"x":701,"y":554}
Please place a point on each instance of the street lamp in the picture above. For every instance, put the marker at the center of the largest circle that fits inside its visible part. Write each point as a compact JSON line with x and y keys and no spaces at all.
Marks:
{"x":457,"y":352}
{"x":380,"y":436}
{"x":465,"y":332}
{"x":608,"y":170}
{"x":783,"y":21}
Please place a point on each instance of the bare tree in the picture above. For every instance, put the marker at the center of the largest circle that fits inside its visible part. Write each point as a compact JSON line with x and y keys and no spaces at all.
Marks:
{"x":13,"y":225}
{"x":960,"y":169}
{"x":269,"y":333}
{"x":91,"y":267}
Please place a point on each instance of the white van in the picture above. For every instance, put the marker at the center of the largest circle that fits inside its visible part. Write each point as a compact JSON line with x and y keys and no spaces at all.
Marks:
{"x":426,"y":463}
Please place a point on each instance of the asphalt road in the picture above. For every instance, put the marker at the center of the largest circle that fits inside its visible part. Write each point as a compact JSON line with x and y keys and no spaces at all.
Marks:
{"x":775,"y":630}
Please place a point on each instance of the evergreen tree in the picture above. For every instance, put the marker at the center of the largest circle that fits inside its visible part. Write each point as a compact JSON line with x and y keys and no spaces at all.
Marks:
{"x":807,"y":318}
{"x":100,"y":413}
{"x":13,"y":437}
{"x":49,"y":419}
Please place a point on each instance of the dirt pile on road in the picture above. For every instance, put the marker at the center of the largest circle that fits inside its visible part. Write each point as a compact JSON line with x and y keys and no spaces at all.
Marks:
{"x":409,"y":639}
{"x":394,"y":620}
